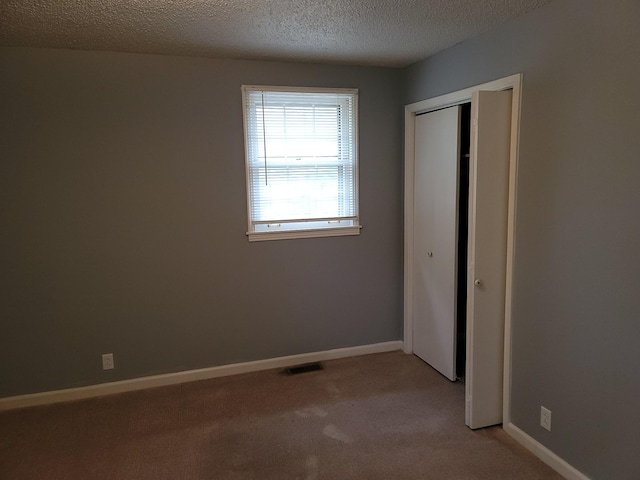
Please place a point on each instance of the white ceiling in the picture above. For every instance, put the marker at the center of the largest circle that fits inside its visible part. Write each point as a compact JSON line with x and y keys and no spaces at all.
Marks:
{"x":359,"y":32}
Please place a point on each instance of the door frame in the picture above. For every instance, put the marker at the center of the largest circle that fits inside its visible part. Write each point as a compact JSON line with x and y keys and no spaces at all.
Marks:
{"x":514,"y":83}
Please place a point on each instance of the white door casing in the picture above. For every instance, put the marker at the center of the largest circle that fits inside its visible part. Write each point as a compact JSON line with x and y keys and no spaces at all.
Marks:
{"x":512,"y":83}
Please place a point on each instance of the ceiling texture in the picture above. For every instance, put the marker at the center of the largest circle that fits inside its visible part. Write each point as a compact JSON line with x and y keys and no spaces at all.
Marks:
{"x":391,"y":33}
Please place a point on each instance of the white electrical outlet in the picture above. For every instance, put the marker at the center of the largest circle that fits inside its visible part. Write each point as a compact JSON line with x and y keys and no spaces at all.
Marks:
{"x":545,"y":418}
{"x":107,"y":361}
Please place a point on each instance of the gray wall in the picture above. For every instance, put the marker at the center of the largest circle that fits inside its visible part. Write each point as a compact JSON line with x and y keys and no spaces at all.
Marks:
{"x":123,"y":220}
{"x":576,"y":310}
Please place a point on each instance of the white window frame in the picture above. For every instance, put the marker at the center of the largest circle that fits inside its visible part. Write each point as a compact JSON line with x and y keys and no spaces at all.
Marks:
{"x":288,"y":229}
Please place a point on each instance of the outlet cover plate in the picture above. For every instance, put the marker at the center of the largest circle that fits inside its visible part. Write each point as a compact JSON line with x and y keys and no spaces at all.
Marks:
{"x":545,"y":418}
{"x":107,"y":361}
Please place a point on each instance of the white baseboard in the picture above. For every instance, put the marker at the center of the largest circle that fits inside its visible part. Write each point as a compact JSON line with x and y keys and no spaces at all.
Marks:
{"x":544,"y":454}
{"x":69,"y":394}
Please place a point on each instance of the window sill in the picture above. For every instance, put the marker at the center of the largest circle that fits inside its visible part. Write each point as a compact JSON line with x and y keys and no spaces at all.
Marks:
{"x":309,"y":233}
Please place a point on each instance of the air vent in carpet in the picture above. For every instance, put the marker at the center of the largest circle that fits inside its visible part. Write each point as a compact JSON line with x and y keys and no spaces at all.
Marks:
{"x":308,"y":367}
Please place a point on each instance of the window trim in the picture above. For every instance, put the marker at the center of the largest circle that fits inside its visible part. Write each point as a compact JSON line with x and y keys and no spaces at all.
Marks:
{"x":328,"y":231}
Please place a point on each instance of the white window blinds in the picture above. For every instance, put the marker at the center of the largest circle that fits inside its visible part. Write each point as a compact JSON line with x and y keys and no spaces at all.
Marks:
{"x":301,"y":154}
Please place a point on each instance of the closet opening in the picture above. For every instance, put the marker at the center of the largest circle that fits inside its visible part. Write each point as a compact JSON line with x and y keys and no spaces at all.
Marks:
{"x":463,"y":239}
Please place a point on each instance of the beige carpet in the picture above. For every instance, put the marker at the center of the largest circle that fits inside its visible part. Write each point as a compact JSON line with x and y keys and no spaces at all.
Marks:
{"x":384,"y":416}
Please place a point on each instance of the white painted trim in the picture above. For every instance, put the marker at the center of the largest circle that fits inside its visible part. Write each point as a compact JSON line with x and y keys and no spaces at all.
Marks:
{"x":516,"y":100}
{"x":45,"y":398}
{"x":353,"y":230}
{"x":284,"y":88}
{"x":310,"y":233}
{"x":409,"y":172}
{"x":462,"y":96}
{"x":543,"y":453}
{"x":513,"y":82}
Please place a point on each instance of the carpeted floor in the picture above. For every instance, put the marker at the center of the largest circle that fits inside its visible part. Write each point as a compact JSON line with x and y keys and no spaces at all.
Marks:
{"x":383,"y":416}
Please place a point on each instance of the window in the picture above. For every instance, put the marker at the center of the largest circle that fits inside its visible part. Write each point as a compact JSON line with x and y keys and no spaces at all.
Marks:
{"x":302,"y":162}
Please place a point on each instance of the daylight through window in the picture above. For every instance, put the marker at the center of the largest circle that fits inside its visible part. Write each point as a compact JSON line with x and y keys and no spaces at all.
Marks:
{"x":301,"y":158}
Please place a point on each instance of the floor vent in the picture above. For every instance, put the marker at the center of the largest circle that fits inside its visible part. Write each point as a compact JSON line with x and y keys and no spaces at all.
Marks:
{"x":308,"y":367}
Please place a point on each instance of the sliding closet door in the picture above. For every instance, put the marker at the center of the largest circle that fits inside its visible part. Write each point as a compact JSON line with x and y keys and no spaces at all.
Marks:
{"x":435,"y":238}
{"x":488,"y":194}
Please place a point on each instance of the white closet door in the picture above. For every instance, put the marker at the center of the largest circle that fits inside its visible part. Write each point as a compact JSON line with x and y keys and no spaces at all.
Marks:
{"x":435,"y":238}
{"x":488,"y":205}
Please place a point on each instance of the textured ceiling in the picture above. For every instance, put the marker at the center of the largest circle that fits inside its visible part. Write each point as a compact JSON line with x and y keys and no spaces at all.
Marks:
{"x":360,"y":32}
